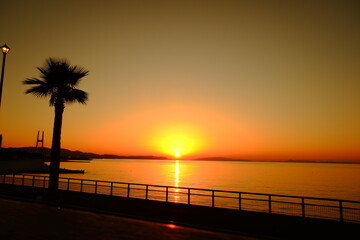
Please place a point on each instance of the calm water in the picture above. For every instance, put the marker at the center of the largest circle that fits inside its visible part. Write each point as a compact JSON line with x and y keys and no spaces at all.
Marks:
{"x":327,"y":180}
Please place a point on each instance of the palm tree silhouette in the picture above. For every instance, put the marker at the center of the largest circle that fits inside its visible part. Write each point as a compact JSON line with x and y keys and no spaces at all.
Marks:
{"x":58,"y":80}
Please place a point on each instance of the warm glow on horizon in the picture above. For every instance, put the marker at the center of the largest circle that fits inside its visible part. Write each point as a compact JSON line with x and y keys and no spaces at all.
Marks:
{"x":176,"y":139}
{"x":177,"y":145}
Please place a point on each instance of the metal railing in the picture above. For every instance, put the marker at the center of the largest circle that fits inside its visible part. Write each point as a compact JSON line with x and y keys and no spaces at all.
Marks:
{"x":324,"y":208}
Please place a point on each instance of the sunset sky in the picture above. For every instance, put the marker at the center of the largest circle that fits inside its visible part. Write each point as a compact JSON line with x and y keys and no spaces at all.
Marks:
{"x":257,"y":80}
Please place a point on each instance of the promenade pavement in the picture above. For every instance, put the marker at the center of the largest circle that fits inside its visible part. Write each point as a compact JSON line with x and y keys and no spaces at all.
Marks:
{"x":24,"y":220}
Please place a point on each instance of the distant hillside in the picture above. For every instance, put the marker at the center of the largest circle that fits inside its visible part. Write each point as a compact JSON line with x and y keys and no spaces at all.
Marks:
{"x":30,"y":152}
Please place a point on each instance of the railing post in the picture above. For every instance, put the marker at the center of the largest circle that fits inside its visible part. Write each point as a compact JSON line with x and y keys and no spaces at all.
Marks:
{"x":111,"y":188}
{"x":68,"y":184}
{"x":240,"y":201}
{"x":269,"y":203}
{"x":147,"y":192}
{"x":96,"y":184}
{"x":128,"y":193}
{"x":44,"y":181}
{"x":33,"y":182}
{"x":213,"y":199}
{"x":13,"y":180}
{"x":303,"y":206}
{"x":23,"y":181}
{"x":341,"y":210}
{"x":4,"y":178}
{"x":81,"y":185}
{"x":167,"y":194}
{"x":189,"y":196}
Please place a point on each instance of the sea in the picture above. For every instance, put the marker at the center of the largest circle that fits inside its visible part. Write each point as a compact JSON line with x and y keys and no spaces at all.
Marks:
{"x":304,"y":179}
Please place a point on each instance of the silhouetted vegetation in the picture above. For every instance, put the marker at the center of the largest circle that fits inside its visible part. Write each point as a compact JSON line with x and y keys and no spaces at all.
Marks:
{"x":58,"y":80}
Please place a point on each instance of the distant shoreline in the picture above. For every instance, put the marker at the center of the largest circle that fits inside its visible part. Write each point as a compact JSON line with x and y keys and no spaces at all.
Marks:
{"x":237,"y":160}
{"x":220,"y":159}
{"x":270,"y":161}
{"x":69,"y":155}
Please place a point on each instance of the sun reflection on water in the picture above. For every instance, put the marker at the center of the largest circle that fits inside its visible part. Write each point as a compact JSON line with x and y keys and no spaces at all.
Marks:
{"x":177,"y":173}
{"x":177,"y":180}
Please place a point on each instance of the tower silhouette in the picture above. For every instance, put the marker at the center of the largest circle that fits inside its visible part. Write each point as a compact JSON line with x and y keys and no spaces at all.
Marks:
{"x":38,"y":140}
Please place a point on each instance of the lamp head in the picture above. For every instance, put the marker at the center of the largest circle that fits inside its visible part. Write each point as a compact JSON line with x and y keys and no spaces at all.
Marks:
{"x":5,"y":49}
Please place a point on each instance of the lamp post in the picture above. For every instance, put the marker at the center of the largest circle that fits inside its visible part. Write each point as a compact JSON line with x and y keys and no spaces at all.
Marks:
{"x":5,"y":49}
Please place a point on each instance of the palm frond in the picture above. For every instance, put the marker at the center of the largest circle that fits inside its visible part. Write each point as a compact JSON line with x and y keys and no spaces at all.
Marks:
{"x":32,"y":81}
{"x":39,"y":91}
{"x":58,"y":80}
{"x":76,"y":95}
{"x":76,"y":75}
{"x":43,"y":71}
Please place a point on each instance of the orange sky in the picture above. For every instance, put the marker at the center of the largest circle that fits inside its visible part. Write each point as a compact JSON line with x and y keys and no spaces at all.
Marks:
{"x":258,"y":80}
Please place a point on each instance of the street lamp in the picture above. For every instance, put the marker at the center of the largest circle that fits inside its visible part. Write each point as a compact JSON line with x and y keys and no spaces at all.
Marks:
{"x":5,"y":49}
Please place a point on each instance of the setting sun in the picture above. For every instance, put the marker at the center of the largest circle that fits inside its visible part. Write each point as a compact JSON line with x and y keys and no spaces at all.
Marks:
{"x":177,"y":140}
{"x":177,"y":145}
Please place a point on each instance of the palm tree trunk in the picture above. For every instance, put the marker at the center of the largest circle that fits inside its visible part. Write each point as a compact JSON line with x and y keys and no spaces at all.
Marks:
{"x":55,"y":148}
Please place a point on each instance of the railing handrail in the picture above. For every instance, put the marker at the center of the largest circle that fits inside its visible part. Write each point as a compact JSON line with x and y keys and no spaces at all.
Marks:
{"x":201,"y":189}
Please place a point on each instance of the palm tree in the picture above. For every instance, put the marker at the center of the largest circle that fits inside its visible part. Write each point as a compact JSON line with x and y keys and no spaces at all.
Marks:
{"x":58,"y":80}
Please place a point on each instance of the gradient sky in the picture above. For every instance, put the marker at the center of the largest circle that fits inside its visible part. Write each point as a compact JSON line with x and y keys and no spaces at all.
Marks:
{"x":258,"y":80}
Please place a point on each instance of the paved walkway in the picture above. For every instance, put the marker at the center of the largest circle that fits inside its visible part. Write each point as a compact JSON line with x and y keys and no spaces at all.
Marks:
{"x":24,"y":220}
